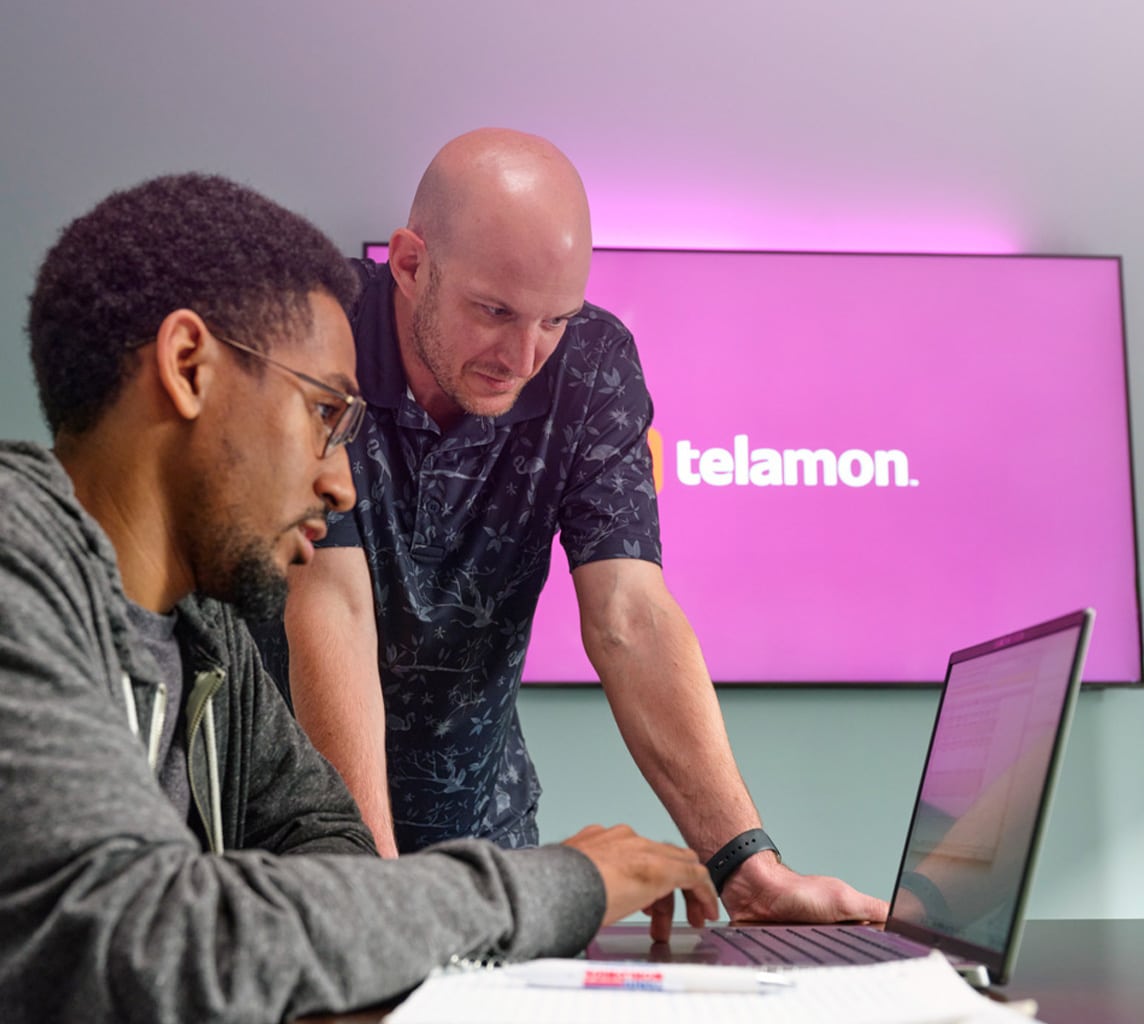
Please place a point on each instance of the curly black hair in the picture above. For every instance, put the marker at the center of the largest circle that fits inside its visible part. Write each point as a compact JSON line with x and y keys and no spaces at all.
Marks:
{"x":245,"y":264}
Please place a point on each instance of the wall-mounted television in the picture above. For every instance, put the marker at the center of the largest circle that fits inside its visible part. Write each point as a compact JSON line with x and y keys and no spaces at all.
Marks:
{"x":866,"y":461}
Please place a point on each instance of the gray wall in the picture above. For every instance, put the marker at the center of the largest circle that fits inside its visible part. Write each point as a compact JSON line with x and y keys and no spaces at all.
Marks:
{"x":763,"y":124}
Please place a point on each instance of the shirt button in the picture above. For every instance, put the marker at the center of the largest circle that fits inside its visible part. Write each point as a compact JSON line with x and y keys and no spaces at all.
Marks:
{"x":433,"y":506}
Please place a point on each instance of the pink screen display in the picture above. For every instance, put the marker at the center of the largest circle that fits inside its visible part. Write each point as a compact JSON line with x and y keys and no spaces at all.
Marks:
{"x":867,"y":461}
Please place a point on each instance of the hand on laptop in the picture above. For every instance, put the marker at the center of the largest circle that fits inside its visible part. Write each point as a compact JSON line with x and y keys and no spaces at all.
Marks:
{"x":765,"y":890}
{"x":640,"y":874}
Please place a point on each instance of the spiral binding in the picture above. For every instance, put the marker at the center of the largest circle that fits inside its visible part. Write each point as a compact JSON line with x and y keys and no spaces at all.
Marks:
{"x":475,"y":963}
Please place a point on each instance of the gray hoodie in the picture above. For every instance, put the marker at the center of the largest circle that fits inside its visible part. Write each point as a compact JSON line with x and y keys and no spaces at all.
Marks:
{"x":113,"y":908}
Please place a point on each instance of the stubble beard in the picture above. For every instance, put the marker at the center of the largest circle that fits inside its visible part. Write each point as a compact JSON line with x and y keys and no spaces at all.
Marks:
{"x":430,"y":349}
{"x":245,"y":575}
{"x":230,"y":561}
{"x":257,"y":586}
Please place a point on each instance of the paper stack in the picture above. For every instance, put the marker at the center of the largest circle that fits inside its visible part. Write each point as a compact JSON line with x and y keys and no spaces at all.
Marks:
{"x":922,"y":991}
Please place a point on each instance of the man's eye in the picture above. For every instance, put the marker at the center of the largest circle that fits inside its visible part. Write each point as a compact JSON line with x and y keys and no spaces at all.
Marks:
{"x":329,"y":412}
{"x":496,"y":312}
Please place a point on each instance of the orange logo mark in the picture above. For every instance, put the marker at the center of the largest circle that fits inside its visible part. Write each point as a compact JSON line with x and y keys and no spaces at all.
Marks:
{"x":655,"y":443}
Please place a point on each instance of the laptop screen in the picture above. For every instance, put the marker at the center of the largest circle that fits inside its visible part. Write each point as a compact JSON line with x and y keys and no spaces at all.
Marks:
{"x":983,"y":799}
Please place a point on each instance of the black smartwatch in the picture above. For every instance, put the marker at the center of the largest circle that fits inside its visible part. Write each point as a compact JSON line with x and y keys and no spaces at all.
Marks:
{"x":728,"y":858}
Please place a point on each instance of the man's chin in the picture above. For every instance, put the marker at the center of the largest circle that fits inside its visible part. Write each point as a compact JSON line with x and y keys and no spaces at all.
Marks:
{"x":491,"y":407}
{"x":265,"y":607}
{"x":257,"y":590}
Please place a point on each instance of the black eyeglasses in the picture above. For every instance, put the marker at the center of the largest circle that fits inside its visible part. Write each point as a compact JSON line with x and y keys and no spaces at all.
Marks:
{"x":342,"y":421}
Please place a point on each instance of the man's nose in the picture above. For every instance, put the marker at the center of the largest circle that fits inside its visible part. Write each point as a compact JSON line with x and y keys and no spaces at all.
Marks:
{"x":335,"y":483}
{"x":527,"y":350}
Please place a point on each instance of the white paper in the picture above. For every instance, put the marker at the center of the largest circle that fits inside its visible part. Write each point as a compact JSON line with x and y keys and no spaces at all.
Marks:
{"x":923,"y":991}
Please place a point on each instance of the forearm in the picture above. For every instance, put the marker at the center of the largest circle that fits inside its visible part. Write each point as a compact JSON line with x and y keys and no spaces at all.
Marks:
{"x":336,"y":692}
{"x":661,"y":694}
{"x":669,"y":716}
{"x":350,"y":733}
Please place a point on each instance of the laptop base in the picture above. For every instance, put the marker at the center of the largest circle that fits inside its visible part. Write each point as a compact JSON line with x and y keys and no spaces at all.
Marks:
{"x":710,"y":946}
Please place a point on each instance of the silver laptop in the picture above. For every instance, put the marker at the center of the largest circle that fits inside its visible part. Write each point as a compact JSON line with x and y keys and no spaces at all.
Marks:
{"x":981,"y":810}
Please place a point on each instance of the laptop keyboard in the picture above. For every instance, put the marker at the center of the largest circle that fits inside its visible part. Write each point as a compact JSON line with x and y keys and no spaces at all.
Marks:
{"x":802,"y":945}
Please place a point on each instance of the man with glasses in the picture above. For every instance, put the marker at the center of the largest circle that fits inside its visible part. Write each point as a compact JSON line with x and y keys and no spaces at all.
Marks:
{"x":172,"y":848}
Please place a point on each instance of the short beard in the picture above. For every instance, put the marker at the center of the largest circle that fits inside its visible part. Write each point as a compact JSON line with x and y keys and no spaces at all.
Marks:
{"x":257,"y":588}
{"x":233,"y":565}
{"x":246,"y":578}
{"x":429,"y":344}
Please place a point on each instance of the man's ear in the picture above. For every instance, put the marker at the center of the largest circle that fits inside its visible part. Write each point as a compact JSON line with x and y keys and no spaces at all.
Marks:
{"x":185,"y":357}
{"x":408,"y":262}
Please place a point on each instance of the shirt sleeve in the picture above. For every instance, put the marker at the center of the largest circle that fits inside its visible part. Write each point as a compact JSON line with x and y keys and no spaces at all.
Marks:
{"x":610,"y":509}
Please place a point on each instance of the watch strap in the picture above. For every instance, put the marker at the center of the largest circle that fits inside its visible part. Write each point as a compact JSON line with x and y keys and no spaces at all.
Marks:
{"x":729,"y":856}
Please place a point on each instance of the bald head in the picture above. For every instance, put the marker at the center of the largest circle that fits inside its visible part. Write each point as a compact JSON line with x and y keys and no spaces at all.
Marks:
{"x":489,"y":271}
{"x":495,"y":183}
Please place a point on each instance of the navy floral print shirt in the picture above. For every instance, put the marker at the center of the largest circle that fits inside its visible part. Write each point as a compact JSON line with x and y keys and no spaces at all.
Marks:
{"x":457,"y":528}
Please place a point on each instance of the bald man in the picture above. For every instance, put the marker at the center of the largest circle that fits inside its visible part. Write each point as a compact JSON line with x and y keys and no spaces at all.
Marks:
{"x":502,"y":409}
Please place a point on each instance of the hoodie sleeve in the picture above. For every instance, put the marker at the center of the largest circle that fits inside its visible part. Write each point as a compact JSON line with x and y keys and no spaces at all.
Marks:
{"x":111,"y":911}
